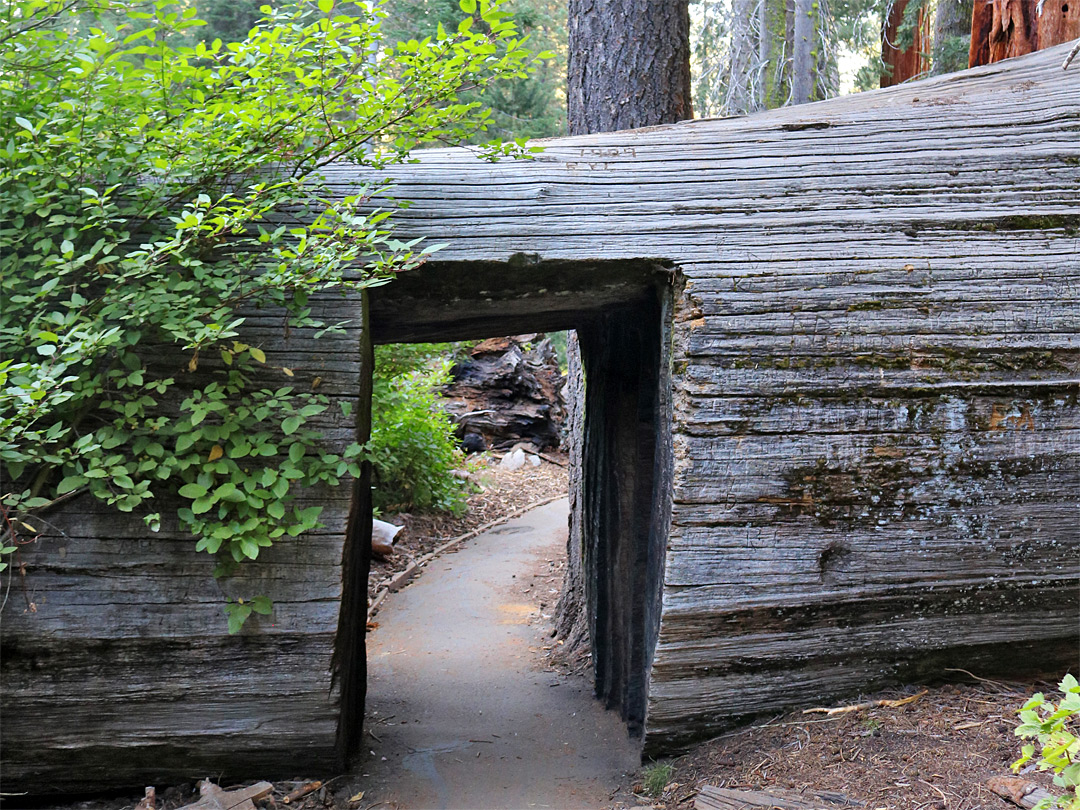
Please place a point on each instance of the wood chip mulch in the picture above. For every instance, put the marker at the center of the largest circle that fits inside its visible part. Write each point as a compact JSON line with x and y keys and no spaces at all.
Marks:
{"x":935,"y":753}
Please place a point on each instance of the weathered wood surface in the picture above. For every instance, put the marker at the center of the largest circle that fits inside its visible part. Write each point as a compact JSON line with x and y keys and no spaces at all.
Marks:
{"x":875,"y":452}
{"x":116,"y":666}
{"x":717,"y":798}
{"x":875,"y":375}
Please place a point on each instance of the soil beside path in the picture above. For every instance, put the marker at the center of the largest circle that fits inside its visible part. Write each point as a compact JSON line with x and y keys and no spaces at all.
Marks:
{"x":463,"y":711}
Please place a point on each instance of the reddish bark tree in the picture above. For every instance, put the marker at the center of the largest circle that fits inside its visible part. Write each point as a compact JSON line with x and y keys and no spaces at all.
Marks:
{"x":910,"y":62}
{"x":1001,"y":29}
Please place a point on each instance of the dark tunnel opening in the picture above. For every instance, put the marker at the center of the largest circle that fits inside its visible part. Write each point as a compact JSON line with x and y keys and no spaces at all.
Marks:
{"x":622,"y":313}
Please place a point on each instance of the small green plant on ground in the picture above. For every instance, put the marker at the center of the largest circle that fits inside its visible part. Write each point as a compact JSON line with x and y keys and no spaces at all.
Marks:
{"x":657,"y":777}
{"x":1054,"y":727}
{"x":412,"y":448}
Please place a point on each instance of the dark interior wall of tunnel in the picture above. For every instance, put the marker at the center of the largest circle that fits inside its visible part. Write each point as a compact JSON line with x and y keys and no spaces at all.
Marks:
{"x":627,"y":495}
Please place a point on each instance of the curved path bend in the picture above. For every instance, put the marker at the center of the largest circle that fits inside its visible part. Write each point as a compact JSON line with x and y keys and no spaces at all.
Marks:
{"x":462,"y":712}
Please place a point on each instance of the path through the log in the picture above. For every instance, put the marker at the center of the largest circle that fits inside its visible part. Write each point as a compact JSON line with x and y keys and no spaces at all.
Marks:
{"x":462,"y":712}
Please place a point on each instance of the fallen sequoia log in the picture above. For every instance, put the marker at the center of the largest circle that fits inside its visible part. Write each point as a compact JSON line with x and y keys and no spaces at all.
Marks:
{"x":715,"y":798}
{"x":833,"y":437}
{"x":509,"y":390}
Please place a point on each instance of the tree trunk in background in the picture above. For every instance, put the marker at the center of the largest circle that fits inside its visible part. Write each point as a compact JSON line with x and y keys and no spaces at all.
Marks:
{"x":826,"y":60}
{"x":952,"y":33}
{"x":910,"y":62}
{"x":812,"y":47}
{"x":1001,"y":29}
{"x":629,"y":64}
{"x":741,"y":97}
{"x":802,"y":63}
{"x":765,"y":55}
{"x":1059,"y":22}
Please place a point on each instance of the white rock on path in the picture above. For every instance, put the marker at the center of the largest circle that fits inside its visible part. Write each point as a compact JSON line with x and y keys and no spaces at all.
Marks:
{"x":514,"y":460}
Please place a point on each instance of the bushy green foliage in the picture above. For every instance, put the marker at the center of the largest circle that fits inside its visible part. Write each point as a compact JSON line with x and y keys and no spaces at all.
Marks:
{"x":532,"y":106}
{"x":1054,"y":727}
{"x":413,"y":449}
{"x":153,"y":191}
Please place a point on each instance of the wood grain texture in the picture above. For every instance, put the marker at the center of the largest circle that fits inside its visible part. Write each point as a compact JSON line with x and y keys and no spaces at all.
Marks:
{"x":875,"y":430}
{"x":116,"y":666}
{"x":876,"y":367}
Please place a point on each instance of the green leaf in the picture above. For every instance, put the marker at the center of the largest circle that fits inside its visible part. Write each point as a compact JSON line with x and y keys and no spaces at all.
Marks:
{"x":310,"y":515}
{"x":326,"y":6}
{"x":192,"y":491}
{"x":468,"y":6}
{"x":257,"y":354}
{"x":261,"y":604}
{"x":237,"y":614}
{"x":22,"y":122}
{"x":69,"y":484}
{"x":229,"y":492}
{"x":290,"y":425}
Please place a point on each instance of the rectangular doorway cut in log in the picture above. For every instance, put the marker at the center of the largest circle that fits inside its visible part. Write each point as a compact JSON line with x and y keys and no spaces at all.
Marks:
{"x":622,"y":311}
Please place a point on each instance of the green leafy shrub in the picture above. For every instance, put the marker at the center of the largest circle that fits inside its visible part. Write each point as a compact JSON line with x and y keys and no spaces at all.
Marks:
{"x":1054,"y":727}
{"x":413,"y":449}
{"x":152,"y":192}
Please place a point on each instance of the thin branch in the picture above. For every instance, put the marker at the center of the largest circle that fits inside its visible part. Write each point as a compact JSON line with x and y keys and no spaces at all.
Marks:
{"x":1072,"y":55}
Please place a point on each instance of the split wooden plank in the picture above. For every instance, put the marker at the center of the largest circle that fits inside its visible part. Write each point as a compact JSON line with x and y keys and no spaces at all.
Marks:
{"x":717,"y":798}
{"x":215,"y":798}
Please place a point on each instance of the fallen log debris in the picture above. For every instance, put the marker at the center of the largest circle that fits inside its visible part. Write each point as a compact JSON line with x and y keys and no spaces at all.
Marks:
{"x":507,"y":390}
{"x":873,"y":704}
{"x":1018,"y":791}
{"x":716,"y":798}
{"x":302,"y":791}
{"x":148,"y":801}
{"x":214,"y":798}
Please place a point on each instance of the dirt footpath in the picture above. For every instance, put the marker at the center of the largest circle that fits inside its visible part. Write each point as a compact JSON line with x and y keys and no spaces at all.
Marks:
{"x":462,"y":710}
